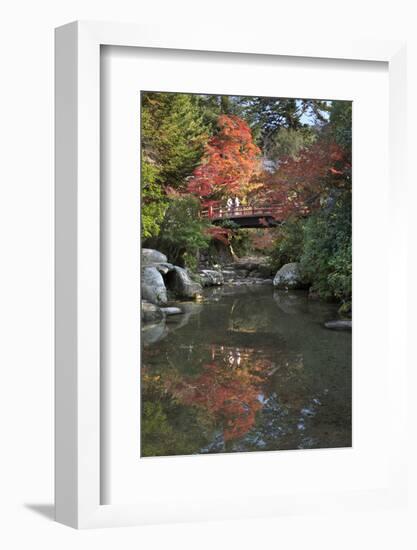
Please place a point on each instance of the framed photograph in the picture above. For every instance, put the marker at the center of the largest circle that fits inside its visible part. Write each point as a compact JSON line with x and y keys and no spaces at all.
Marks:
{"x":222,"y":348}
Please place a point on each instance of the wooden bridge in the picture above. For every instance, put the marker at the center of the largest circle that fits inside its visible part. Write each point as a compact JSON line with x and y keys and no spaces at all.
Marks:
{"x":246,"y":216}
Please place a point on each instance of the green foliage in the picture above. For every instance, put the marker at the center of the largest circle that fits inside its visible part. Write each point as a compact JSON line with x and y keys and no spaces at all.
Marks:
{"x":173,"y":135}
{"x":183,"y":232}
{"x":288,"y":142}
{"x":340,"y":124}
{"x":327,"y":251}
{"x":154,"y":201}
{"x":340,"y":280}
{"x":289,"y":243}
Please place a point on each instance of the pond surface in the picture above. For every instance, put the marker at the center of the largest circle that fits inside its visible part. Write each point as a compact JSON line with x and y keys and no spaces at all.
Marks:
{"x":247,"y":369}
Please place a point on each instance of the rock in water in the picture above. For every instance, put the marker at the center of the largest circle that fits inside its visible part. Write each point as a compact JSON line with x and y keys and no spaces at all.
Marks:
{"x":171,"y":310}
{"x":153,"y":286}
{"x":182,"y":285}
{"x":210,"y":277}
{"x":151,"y":313}
{"x":151,"y":256}
{"x":289,"y":277}
{"x":339,"y":325}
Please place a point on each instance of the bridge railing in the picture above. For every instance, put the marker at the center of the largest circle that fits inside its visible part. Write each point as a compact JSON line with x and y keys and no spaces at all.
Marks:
{"x":224,"y":212}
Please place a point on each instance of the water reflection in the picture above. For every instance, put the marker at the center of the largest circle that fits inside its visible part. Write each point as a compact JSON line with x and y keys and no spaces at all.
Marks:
{"x":246,"y":370}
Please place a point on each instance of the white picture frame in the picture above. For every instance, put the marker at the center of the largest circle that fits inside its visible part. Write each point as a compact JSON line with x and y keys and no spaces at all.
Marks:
{"x":78,"y":405}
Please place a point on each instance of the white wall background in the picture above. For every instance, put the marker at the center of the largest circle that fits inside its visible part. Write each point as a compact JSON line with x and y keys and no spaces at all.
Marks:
{"x":26,"y":269}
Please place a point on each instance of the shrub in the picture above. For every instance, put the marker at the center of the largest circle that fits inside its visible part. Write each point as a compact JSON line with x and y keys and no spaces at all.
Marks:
{"x":327,"y":251}
{"x":289,"y":243}
{"x":183,"y":232}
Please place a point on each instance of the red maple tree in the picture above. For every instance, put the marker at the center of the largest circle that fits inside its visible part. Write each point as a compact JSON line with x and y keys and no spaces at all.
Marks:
{"x":230,"y":160}
{"x":299,"y":183}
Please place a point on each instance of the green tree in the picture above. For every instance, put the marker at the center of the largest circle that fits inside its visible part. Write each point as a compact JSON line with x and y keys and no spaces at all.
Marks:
{"x":173,"y":138}
{"x":340,"y":124}
{"x":288,"y":142}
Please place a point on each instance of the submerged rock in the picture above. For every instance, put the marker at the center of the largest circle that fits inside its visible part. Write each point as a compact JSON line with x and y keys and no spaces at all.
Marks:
{"x":339,"y":325}
{"x":289,"y":277}
{"x":153,"y":286}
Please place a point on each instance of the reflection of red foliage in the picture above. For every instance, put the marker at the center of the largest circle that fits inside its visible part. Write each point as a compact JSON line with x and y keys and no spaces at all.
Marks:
{"x":229,"y":162}
{"x":228,"y":393}
{"x":231,"y":396}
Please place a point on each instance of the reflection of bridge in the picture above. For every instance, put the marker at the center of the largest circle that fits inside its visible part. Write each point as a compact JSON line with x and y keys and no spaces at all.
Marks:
{"x":246,"y":216}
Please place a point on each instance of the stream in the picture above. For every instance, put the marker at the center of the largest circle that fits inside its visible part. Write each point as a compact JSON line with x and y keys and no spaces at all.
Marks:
{"x":248,"y":368}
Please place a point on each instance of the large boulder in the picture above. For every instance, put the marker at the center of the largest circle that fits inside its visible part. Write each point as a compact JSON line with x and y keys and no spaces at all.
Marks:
{"x":210,"y":277}
{"x":151,"y":313}
{"x":289,"y":277}
{"x":153,"y":286}
{"x":151,"y":256}
{"x":180,"y":283}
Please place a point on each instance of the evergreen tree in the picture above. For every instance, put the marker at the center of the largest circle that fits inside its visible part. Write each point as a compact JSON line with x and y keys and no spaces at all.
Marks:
{"x":268,"y":115}
{"x":173,"y":139}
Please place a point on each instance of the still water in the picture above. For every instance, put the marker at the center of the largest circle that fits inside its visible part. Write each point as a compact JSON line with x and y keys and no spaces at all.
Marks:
{"x":247,"y":369}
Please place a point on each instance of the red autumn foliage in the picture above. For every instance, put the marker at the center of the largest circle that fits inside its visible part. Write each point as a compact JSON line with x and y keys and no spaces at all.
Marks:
{"x":221,"y":234}
{"x":229,"y":161}
{"x":299,"y":183}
